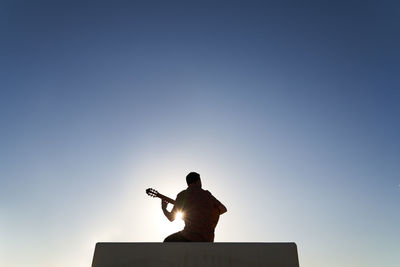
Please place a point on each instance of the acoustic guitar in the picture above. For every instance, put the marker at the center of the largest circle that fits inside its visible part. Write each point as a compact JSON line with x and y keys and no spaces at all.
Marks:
{"x":154,"y":193}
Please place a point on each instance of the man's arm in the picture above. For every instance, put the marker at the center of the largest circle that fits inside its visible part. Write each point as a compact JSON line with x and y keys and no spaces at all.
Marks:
{"x":221,"y":207}
{"x":177,"y":206}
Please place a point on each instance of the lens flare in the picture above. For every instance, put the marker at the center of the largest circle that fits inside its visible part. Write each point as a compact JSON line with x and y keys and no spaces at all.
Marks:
{"x":179,"y":215}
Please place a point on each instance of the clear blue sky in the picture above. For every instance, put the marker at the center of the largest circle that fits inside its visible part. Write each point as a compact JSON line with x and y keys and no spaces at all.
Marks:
{"x":289,"y":111}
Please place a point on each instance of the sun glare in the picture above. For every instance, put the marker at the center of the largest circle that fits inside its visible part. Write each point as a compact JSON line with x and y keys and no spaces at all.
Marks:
{"x":179,"y":215}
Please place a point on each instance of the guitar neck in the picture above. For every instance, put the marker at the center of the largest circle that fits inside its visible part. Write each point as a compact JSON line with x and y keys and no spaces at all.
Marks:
{"x":167,"y":199}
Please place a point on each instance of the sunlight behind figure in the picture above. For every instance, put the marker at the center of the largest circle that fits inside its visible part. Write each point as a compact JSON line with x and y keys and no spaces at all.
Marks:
{"x":179,"y":216}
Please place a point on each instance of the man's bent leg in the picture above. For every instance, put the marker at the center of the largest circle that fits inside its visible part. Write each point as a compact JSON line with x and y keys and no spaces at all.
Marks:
{"x":177,"y":237}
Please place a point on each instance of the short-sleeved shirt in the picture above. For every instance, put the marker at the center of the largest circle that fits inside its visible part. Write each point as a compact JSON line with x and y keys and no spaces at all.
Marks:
{"x":200,"y":213}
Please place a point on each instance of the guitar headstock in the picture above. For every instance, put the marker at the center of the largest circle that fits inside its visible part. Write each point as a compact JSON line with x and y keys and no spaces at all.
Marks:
{"x":152,"y":192}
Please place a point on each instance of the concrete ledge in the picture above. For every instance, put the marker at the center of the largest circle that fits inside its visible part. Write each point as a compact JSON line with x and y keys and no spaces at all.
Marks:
{"x":195,"y":254}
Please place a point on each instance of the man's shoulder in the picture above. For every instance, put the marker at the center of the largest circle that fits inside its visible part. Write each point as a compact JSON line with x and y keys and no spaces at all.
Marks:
{"x":210,"y":195}
{"x":207,"y":192}
{"x":181,"y":194}
{"x":180,"y":198}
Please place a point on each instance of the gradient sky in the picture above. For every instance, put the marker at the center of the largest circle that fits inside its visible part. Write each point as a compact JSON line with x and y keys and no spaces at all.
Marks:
{"x":289,"y":111}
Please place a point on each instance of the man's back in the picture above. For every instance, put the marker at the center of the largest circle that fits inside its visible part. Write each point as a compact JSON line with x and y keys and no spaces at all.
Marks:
{"x":200,"y":213}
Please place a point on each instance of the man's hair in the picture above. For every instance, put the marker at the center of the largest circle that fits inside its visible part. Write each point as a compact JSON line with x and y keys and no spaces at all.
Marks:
{"x":192,"y":177}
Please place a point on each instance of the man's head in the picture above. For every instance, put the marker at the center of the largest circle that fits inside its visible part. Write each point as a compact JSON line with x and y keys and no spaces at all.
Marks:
{"x":193,"y":178}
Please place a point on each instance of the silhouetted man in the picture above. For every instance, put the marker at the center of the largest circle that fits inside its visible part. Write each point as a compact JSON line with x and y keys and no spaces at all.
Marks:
{"x":200,"y":212}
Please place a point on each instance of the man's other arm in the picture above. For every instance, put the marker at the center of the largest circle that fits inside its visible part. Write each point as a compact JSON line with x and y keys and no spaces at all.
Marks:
{"x":221,"y":207}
